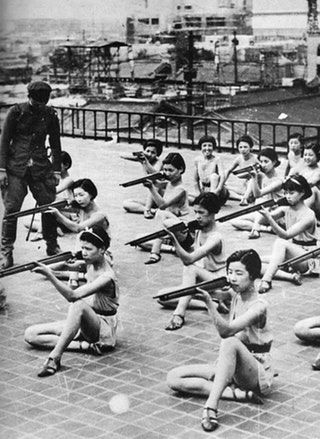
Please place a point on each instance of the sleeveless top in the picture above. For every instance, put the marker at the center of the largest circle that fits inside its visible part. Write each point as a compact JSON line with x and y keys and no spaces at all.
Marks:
{"x":205,"y":169}
{"x":307,"y":172}
{"x":292,"y":217}
{"x":252,"y":334}
{"x":212,"y":261}
{"x":267,"y":181}
{"x":106,"y":300}
{"x":181,"y":208}
{"x":294,"y":160}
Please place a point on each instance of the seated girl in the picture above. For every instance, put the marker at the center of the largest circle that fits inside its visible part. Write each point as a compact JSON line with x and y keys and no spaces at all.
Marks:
{"x":308,"y":330}
{"x":208,"y":173}
{"x":265,"y":185}
{"x":91,"y":321}
{"x":149,"y":159}
{"x":244,"y":159}
{"x":88,"y":213}
{"x":206,"y":260}
{"x":244,"y":359}
{"x":298,"y":235}
{"x":309,"y":168}
{"x":173,"y":203}
{"x":295,"y":145}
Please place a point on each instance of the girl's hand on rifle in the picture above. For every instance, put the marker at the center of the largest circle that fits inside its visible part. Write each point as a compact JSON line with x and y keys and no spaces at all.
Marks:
{"x":42,"y":269}
{"x":148,"y":184}
{"x":265,"y":213}
{"x":207,"y":297}
{"x":52,"y":210}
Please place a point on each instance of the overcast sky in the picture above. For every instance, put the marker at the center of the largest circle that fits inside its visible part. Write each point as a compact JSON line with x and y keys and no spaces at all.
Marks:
{"x":89,"y":9}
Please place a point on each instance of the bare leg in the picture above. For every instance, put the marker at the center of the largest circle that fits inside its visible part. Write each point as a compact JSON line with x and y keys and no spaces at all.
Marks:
{"x":133,"y":206}
{"x":282,"y":251}
{"x":234,"y":361}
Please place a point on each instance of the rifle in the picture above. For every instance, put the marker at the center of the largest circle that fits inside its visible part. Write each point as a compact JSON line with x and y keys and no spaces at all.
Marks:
{"x":308,"y":255}
{"x":209,"y":285}
{"x":152,"y":177}
{"x":247,"y":169}
{"x":268,"y":203}
{"x":179,"y":227}
{"x":34,"y":210}
{"x":25,"y":267}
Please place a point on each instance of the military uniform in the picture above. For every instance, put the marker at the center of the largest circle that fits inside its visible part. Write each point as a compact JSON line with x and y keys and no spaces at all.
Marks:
{"x":23,"y":155}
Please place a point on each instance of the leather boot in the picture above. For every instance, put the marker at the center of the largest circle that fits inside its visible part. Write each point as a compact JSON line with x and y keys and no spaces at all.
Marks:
{"x":6,"y":261}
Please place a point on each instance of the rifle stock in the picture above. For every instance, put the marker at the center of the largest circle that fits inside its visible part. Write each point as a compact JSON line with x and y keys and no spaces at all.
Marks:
{"x":180,"y":227}
{"x":247,"y":169}
{"x":25,"y":267}
{"x":308,"y":255}
{"x":152,"y":177}
{"x":269,"y":203}
{"x":210,"y":285}
{"x":34,"y":210}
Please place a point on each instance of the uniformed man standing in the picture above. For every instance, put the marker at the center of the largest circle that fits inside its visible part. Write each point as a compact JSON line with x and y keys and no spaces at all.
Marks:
{"x":24,"y":163}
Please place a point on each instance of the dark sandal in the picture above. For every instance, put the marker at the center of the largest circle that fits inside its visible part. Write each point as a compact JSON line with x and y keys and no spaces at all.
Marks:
{"x":254,"y":234}
{"x":154,"y":258}
{"x":148,"y":214}
{"x":265,"y":286}
{"x":50,"y":367}
{"x":316,"y":364}
{"x":174,"y":323}
{"x":209,"y":421}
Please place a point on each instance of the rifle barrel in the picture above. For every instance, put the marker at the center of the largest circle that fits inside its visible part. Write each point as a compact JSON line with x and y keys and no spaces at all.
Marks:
{"x":192,"y":225}
{"x":308,"y":255}
{"x":246,"y":169}
{"x":154,"y":176}
{"x":56,"y":204}
{"x":210,"y":285}
{"x":268,"y":203}
{"x":25,"y":267}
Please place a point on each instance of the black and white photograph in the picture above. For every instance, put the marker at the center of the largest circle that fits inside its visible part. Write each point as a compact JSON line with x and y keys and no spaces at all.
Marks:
{"x":159,"y":219}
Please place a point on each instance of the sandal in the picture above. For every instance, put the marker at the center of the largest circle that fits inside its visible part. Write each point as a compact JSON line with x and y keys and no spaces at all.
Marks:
{"x":37,"y":237}
{"x":50,"y":367}
{"x":316,"y":364}
{"x":209,"y":421}
{"x":154,"y":258}
{"x":176,"y":322}
{"x":244,"y":202}
{"x":296,"y":278}
{"x":148,"y":214}
{"x":254,"y":234}
{"x":265,"y":286}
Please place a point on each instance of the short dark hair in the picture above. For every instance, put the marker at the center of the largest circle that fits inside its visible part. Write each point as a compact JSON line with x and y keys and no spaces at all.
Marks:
{"x":298,"y":136}
{"x":87,"y":185}
{"x":156,"y":143}
{"x":250,"y":259}
{"x":175,"y":159}
{"x":208,"y":201}
{"x":315,"y":147}
{"x":207,"y":139}
{"x":247,"y":139}
{"x":97,"y":236}
{"x":271,"y":154}
{"x":298,"y":183}
{"x":66,"y":159}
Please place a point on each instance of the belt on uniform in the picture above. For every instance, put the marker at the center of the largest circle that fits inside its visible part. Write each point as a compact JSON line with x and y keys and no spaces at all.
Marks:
{"x":259,"y":348}
{"x":305,"y":243}
{"x":112,"y":312}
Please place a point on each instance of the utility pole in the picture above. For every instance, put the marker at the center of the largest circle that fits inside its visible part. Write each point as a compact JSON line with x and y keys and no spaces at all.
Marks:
{"x":235,"y":42}
{"x":188,"y":78}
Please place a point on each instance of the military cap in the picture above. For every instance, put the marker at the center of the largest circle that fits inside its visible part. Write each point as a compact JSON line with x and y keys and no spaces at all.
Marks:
{"x":40,"y":91}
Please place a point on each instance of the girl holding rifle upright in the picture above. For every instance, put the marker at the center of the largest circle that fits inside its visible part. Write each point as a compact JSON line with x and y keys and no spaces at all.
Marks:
{"x":244,"y":159}
{"x":244,"y":361}
{"x":173,"y":203}
{"x":298,"y":235}
{"x":206,"y":260}
{"x":91,"y":321}
{"x":151,"y":163}
{"x":264,"y":185}
{"x":209,"y":175}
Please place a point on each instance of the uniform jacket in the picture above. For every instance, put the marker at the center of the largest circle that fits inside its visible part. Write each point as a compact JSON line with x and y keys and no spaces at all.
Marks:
{"x":22,"y":143}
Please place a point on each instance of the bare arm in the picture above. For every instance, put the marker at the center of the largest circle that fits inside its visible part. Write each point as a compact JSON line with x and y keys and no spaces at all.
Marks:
{"x":233,"y":166}
{"x":221,"y":174}
{"x":196,"y":178}
{"x":65,"y":183}
{"x":160,"y":201}
{"x":95,"y":218}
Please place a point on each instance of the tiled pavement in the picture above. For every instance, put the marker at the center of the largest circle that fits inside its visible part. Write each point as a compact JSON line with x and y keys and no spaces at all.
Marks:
{"x":75,"y":402}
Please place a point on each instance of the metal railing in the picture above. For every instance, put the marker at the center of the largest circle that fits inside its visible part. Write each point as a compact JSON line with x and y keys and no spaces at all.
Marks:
{"x":173,"y":129}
